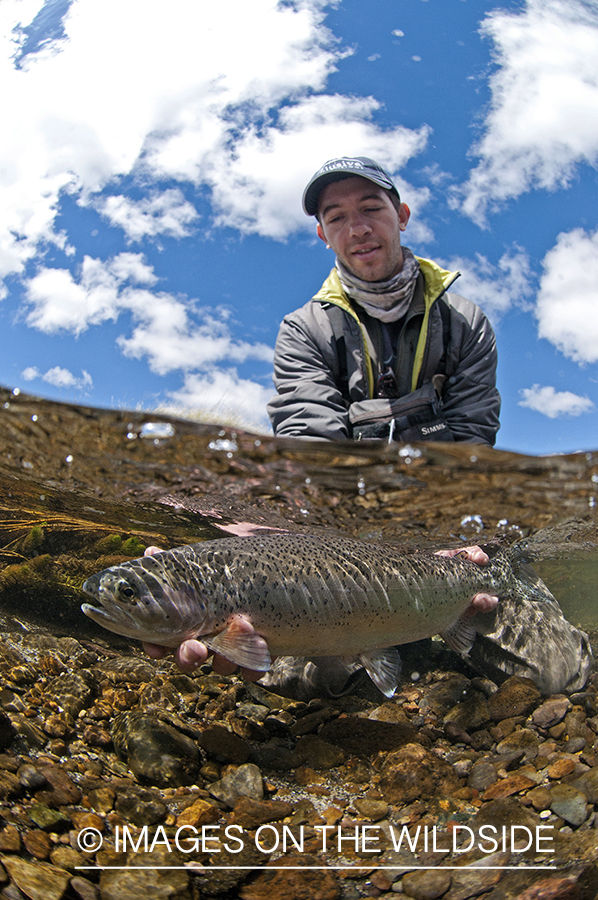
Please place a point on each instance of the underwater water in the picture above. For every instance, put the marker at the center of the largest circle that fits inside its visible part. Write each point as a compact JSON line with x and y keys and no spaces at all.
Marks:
{"x":84,"y":488}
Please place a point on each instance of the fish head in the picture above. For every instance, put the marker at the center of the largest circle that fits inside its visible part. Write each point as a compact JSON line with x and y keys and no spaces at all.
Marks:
{"x":140,"y":601}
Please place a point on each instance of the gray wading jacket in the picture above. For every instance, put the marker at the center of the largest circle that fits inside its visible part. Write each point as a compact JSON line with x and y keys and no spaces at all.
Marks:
{"x":308,"y":373}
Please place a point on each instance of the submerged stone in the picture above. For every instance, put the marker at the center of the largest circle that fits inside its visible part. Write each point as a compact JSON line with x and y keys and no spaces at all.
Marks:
{"x":155,"y":751}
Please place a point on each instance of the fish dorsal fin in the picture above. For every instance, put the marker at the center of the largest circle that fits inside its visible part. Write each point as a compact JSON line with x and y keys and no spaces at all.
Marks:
{"x":460,"y":635}
{"x":384,"y":668}
{"x":245,"y":648}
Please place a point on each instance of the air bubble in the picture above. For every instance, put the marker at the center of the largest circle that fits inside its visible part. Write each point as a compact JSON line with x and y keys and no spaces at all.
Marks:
{"x":156,"y":430}
{"x":361,"y":485}
{"x":472,"y":523}
{"x":408,"y":453}
{"x":226,"y":445}
{"x":69,"y":459}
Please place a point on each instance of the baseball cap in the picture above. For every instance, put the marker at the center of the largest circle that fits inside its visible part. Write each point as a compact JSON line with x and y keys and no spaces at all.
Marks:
{"x":344,"y":167}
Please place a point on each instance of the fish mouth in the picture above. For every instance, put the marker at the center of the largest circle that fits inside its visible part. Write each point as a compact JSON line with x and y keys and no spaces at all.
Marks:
{"x":104,"y":610}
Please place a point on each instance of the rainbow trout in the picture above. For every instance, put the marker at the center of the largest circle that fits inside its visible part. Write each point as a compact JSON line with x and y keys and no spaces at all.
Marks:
{"x":307,"y":595}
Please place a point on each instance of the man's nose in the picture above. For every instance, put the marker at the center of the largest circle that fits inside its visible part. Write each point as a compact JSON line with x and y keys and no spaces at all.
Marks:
{"x":359,"y":226}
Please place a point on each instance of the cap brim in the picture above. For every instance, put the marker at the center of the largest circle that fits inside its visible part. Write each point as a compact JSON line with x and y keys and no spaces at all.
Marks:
{"x":315,"y":187}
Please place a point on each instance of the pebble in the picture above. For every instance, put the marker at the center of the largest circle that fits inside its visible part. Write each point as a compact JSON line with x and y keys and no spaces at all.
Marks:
{"x":84,"y":889}
{"x":37,"y":880}
{"x":551,"y":711}
{"x":318,"y":753}
{"x":588,"y":785}
{"x":37,"y":843}
{"x":223,"y":745}
{"x":249,"y":813}
{"x":245,"y":781}
{"x":413,"y":772}
{"x":523,"y":739}
{"x":515,"y":697}
{"x":512,"y":784}
{"x":482,"y":775}
{"x":471,"y":714}
{"x":155,"y":751}
{"x":278,"y":884}
{"x":364,"y":737}
{"x":569,"y":803}
{"x":427,"y":885}
{"x":140,"y":807}
{"x":151,"y":881}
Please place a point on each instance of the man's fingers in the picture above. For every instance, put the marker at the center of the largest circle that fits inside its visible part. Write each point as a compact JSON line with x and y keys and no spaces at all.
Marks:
{"x":484,"y":602}
{"x":190,"y":654}
{"x":472,"y":554}
{"x":155,"y":651}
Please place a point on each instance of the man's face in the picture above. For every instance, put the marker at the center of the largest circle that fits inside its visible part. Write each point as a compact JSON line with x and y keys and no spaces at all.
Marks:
{"x":363,"y":227}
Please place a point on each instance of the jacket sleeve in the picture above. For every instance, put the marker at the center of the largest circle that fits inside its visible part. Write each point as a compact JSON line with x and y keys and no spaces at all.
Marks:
{"x":309,"y":403}
{"x":471,"y":402}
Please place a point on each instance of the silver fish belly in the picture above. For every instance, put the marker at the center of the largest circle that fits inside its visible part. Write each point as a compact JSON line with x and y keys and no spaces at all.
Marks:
{"x":305,"y":594}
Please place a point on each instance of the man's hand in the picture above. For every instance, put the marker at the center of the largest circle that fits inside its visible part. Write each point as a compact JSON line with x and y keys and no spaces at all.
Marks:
{"x":481,"y":602}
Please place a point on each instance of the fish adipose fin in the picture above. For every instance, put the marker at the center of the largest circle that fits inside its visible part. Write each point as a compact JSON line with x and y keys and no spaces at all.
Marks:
{"x":244,"y":647}
{"x":384,"y":668}
{"x":461,"y":635}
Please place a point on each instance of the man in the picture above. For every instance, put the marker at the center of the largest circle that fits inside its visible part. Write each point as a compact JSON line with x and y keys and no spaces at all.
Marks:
{"x":382,"y":350}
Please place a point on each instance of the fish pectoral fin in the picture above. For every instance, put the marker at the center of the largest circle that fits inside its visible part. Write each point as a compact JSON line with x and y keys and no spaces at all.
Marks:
{"x":460,"y":636}
{"x":384,"y":668}
{"x":245,"y":648}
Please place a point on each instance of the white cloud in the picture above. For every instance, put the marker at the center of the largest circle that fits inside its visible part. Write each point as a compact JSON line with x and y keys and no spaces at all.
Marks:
{"x":223,"y":395}
{"x":165,"y":213}
{"x":173,"y":333}
{"x":59,"y":377}
{"x":398,"y":33}
{"x":567,"y":299}
{"x":258,"y":187}
{"x":496,"y":288}
{"x":553,"y":403}
{"x":543,"y":115}
{"x":183,"y":96}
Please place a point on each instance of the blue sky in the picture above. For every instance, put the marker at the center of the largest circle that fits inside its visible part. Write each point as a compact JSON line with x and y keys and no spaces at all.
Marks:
{"x":153,"y":157}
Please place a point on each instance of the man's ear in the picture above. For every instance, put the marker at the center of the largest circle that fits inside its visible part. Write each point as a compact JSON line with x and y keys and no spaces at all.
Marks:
{"x":404,"y":214}
{"x":322,"y":236}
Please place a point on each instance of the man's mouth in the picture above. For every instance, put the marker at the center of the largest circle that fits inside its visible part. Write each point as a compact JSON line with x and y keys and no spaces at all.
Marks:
{"x":364,"y":251}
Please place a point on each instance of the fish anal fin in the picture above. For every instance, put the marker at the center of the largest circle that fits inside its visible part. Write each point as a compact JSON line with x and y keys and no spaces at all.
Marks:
{"x":460,"y":636}
{"x":384,"y":668}
{"x":241,"y":645}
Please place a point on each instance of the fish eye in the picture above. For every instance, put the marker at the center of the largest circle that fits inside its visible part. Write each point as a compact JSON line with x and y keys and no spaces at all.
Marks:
{"x":126,"y":591}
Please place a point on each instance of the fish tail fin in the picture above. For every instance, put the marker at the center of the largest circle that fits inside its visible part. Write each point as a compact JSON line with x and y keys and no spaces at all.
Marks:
{"x":527,"y":583}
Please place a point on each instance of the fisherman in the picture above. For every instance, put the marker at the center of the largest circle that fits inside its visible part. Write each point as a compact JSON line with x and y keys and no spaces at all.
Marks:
{"x":382,"y":350}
